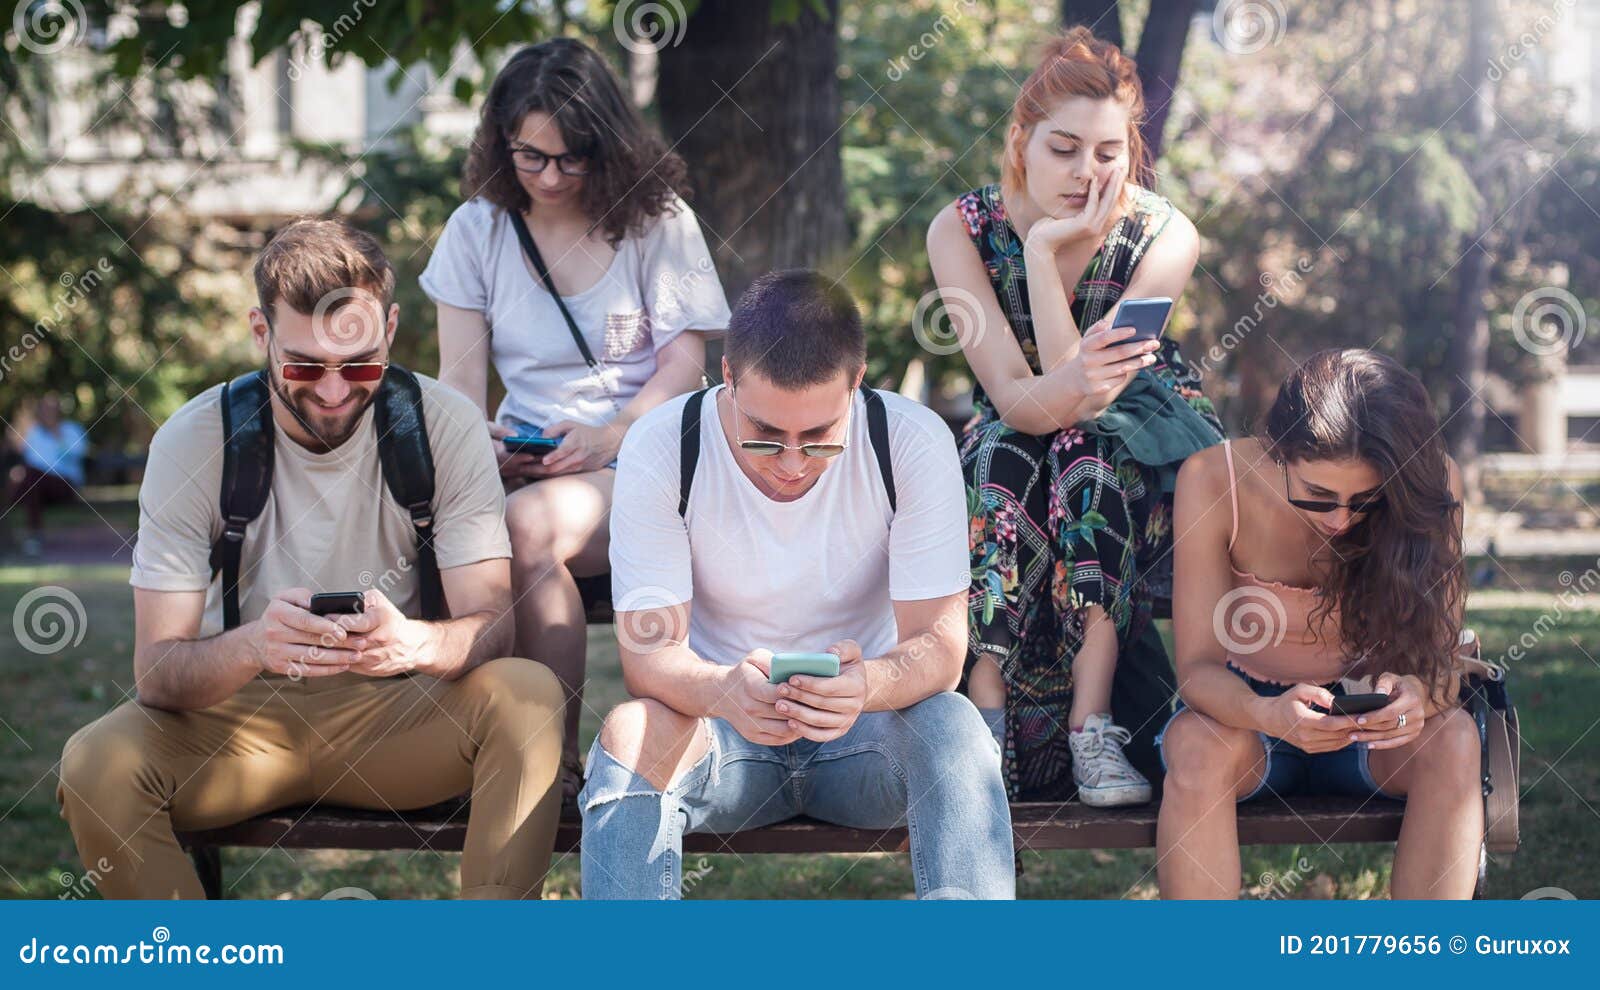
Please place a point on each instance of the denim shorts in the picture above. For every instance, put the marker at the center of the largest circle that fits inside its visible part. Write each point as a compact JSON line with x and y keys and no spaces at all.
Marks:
{"x":1291,"y":770}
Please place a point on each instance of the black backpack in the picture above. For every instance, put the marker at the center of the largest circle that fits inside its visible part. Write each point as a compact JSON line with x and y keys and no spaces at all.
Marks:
{"x":689,"y":445}
{"x":247,"y":475}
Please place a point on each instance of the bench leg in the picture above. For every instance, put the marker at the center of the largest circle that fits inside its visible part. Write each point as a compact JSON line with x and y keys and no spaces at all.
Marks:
{"x":208,"y":863}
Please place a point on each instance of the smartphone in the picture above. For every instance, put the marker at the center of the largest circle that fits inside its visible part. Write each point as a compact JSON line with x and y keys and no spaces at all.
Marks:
{"x":530,"y":443}
{"x":1146,"y":316}
{"x":338,"y":603}
{"x":786,"y":665}
{"x":1357,"y":704}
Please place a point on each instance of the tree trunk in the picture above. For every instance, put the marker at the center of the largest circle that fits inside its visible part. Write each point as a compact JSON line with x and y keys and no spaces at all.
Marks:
{"x":1103,"y":17}
{"x":1469,"y":349}
{"x":1161,"y":44}
{"x":764,"y":159}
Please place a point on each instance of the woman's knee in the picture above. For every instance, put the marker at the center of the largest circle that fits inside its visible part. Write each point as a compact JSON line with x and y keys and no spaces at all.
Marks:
{"x":654,"y":741}
{"x":1204,"y":756}
{"x":1448,"y":749}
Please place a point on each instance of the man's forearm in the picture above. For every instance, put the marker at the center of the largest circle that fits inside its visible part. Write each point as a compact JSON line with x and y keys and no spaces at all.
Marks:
{"x":455,"y":646}
{"x":678,"y":678}
{"x":188,"y":674}
{"x":915,"y":669}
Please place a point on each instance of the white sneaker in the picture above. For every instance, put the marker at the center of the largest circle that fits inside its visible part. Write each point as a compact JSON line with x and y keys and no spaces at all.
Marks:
{"x":1103,"y":774}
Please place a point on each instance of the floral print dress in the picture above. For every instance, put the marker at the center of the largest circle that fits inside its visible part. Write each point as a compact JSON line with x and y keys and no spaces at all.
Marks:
{"x":1056,"y":524}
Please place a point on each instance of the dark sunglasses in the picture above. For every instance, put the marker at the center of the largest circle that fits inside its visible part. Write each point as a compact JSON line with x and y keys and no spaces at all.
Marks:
{"x":354,"y":371}
{"x":771,"y":448}
{"x":1317,"y":505}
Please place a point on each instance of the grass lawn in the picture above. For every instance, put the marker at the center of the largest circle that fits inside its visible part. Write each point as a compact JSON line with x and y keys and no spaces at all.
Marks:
{"x":46,"y":697}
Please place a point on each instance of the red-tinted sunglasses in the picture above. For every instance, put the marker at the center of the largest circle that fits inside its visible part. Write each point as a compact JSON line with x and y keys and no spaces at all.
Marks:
{"x":311,"y":371}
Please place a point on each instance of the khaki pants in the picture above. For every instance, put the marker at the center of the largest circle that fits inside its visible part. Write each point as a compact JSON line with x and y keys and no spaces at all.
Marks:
{"x":133,"y":776}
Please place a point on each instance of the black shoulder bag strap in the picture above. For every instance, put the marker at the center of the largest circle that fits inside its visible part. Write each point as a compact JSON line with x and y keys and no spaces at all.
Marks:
{"x":247,"y":439}
{"x":532,"y":251}
{"x":689,"y":444}
{"x":407,"y":461}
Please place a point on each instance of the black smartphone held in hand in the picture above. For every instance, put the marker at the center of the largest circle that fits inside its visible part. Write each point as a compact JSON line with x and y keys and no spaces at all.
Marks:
{"x":338,"y":603}
{"x":1146,"y":316}
{"x":1358,"y":704}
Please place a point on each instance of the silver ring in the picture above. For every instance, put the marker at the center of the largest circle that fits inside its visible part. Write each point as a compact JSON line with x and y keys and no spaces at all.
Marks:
{"x":1402,"y":723}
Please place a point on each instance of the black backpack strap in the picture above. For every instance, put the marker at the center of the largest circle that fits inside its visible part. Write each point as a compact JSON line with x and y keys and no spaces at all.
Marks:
{"x":689,"y":447}
{"x":878,"y":433}
{"x":407,"y":461}
{"x":247,"y":439}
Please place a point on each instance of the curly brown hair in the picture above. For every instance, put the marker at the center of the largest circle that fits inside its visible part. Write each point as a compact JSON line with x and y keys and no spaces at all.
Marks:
{"x":633,"y":177}
{"x":1396,"y":578}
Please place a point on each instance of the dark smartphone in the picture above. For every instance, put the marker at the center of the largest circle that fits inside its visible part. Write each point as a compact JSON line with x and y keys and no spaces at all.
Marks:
{"x":530,"y":445}
{"x":338,"y":603}
{"x":1146,"y":316}
{"x":1358,"y":704}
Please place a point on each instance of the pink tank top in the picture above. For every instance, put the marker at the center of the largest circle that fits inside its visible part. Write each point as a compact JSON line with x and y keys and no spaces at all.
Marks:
{"x":1265,"y":626}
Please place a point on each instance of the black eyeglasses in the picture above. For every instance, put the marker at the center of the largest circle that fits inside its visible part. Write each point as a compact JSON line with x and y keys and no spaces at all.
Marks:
{"x":1318,"y":505}
{"x":770,"y":448}
{"x":534,"y":162}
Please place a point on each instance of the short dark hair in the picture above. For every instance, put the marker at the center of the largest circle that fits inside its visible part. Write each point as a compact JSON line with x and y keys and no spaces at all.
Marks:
{"x":796,"y":328}
{"x":313,"y":257}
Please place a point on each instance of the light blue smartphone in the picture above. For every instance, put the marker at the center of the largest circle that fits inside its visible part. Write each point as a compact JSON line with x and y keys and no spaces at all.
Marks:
{"x":786,"y":665}
{"x":1146,"y":316}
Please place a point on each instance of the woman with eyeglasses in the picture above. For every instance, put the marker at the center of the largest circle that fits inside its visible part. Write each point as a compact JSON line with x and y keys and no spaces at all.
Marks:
{"x":1318,"y":560}
{"x":576,"y":269}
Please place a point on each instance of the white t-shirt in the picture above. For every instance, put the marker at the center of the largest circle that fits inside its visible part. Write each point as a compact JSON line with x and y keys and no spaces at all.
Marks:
{"x":661,"y":283}
{"x":789,"y":576}
{"x":330,"y":522}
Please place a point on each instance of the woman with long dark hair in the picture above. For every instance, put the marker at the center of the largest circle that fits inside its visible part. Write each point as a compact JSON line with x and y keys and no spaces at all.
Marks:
{"x":564,"y":176}
{"x":1078,"y":431}
{"x":1324,"y":553}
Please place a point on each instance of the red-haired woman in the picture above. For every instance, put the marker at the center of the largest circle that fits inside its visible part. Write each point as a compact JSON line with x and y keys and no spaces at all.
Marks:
{"x":1071,"y":457}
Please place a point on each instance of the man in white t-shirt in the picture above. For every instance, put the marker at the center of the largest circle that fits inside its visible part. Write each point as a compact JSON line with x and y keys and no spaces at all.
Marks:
{"x":792,"y":539}
{"x":385,"y":709}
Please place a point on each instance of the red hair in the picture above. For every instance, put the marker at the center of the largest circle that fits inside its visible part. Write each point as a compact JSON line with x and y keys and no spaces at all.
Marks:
{"x":1076,"y":64}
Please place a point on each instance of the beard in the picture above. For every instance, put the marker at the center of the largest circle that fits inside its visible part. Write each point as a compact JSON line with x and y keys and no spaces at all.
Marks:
{"x":328,"y":431}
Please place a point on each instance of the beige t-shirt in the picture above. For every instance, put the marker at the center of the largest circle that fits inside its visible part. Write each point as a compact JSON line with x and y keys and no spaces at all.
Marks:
{"x":330,"y":523}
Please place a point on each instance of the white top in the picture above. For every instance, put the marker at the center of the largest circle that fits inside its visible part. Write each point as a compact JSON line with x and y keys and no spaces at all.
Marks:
{"x":661,"y":283}
{"x":60,"y":453}
{"x":330,"y":522}
{"x":789,"y":576}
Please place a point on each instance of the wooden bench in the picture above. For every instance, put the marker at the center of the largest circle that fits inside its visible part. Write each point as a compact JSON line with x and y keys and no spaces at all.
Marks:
{"x":1036,"y":826}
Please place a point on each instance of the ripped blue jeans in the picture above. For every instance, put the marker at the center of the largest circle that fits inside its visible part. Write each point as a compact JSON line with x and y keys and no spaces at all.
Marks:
{"x":933,"y":767}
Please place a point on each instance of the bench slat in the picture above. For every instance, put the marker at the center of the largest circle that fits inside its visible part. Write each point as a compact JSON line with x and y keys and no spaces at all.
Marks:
{"x":1037,"y":825}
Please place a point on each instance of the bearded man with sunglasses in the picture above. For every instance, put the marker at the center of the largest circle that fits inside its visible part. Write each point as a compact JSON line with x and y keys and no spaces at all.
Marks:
{"x":792,"y":511}
{"x":247,"y":701}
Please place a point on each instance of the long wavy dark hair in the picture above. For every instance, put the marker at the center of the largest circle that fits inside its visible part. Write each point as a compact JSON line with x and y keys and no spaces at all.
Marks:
{"x":1396,"y":576}
{"x":632,"y":176}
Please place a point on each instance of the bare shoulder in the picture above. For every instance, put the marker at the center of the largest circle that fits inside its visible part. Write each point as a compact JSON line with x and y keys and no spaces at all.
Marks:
{"x":947,"y":226}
